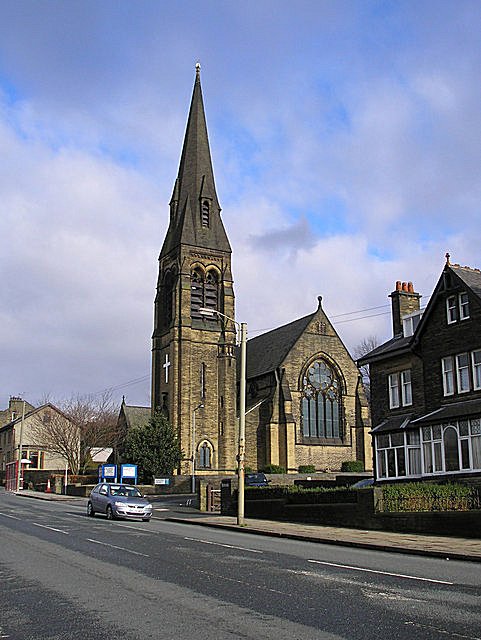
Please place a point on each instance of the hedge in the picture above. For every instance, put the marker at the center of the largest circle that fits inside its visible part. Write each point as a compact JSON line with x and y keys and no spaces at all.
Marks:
{"x":423,"y":496}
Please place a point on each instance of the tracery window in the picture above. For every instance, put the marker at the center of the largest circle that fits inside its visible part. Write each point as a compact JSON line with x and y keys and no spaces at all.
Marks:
{"x":321,"y":402}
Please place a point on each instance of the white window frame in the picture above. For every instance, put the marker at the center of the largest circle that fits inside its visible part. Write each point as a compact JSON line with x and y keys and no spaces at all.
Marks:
{"x":448,"y":375}
{"x":394,"y":395}
{"x":476,"y":369}
{"x":452,"y":309}
{"x":463,"y":306}
{"x":459,"y":373}
{"x":406,"y":388}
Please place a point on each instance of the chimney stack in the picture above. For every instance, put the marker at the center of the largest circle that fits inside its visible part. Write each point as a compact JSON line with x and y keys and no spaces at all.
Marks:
{"x":404,"y":300}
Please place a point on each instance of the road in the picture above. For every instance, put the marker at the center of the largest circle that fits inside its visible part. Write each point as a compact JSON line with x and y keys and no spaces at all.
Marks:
{"x":67,"y":576}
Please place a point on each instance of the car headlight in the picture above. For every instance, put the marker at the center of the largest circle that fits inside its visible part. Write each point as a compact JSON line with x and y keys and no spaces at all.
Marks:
{"x":148,"y":506}
{"x":119,"y":504}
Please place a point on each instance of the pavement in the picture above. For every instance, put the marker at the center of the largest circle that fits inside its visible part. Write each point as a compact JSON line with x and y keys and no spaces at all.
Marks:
{"x":450,"y":548}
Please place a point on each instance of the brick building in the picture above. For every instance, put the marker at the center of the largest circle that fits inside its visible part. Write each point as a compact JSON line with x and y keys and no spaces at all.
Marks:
{"x":305,"y":400}
{"x":426,"y":382}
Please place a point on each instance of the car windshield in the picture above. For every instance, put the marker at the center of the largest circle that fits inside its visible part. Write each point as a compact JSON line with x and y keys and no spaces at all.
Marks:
{"x":256,"y":477}
{"x":130,"y":492}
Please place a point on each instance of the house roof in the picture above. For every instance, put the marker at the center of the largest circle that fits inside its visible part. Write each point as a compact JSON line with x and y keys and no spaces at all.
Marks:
{"x":470,"y":277}
{"x":31,"y":412}
{"x":394,"y":344}
{"x":395,"y":423}
{"x":265,"y":353}
{"x":449,"y":411}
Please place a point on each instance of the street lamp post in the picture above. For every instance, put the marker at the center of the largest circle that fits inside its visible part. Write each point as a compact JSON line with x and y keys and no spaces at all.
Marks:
{"x":199,"y":406}
{"x":20,"y":447}
{"x":242,"y":410}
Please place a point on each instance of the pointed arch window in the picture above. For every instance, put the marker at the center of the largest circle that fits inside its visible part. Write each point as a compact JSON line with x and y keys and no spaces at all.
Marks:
{"x":167,"y":297}
{"x":204,"y":291}
{"x":211,"y":289}
{"x":196,"y":292}
{"x":205,"y":456}
{"x":321,"y":407}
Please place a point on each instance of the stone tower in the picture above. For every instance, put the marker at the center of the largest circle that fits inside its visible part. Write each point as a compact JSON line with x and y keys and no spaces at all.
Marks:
{"x":193,"y":354}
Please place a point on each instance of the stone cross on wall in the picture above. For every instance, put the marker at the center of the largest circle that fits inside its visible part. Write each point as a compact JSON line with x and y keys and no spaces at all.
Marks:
{"x":166,"y":366}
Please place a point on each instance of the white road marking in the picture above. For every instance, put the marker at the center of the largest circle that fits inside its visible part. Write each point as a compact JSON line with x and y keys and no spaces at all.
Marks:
{"x":44,"y":526}
{"x":162,"y":509}
{"x":219,"y":544}
{"x":442,"y":631}
{"x":13,"y":518}
{"x":113,"y":546}
{"x":384,"y":573}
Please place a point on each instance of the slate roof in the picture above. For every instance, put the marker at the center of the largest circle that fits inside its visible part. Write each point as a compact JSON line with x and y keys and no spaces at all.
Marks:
{"x":389,"y":347}
{"x":195,"y":181}
{"x":471,"y":277}
{"x":265,"y":353}
{"x":449,"y":411}
{"x":136,"y":416}
{"x":392,"y":424}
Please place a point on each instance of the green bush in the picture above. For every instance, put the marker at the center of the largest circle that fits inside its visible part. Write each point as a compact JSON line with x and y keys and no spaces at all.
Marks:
{"x":274,"y":468}
{"x":423,"y":496}
{"x":306,"y":468}
{"x":355,"y":466}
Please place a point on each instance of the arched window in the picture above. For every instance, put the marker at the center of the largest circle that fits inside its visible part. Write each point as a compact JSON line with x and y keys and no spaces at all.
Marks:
{"x":204,"y":291}
{"x":451,"y":451}
{"x":167,"y":298}
{"x":321,"y":402}
{"x":205,"y":456}
{"x":211,"y":289}
{"x":196,"y":292}
{"x":205,"y":213}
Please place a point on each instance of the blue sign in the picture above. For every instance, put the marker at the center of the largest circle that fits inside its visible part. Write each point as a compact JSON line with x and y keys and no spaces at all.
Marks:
{"x":128,"y":472}
{"x":109,"y":472}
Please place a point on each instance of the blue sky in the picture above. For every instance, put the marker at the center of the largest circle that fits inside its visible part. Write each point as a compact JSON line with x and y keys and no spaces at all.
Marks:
{"x":346,"y":144}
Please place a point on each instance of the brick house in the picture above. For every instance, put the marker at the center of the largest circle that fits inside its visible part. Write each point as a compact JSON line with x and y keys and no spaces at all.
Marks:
{"x":41,"y":459}
{"x":426,"y":382}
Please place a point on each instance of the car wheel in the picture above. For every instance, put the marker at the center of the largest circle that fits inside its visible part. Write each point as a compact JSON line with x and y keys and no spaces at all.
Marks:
{"x":110,"y":513}
{"x":90,"y":510}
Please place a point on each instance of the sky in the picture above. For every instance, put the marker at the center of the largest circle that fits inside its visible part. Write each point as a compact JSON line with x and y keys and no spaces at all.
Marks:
{"x":346,"y":143}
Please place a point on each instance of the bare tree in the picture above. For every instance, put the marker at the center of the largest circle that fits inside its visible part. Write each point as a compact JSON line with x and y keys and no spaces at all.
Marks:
{"x":54,"y":432}
{"x":364,"y":347}
{"x":82,"y":423}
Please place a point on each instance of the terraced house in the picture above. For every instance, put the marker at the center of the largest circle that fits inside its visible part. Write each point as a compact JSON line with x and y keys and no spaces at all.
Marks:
{"x":426,"y":382}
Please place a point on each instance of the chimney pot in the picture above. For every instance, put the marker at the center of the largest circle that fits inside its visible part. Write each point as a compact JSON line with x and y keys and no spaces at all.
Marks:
{"x":410,"y":287}
{"x":405,"y":286}
{"x":398,"y":285}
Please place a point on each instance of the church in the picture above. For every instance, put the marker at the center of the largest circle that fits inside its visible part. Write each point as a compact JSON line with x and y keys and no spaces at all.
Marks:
{"x":305,"y":404}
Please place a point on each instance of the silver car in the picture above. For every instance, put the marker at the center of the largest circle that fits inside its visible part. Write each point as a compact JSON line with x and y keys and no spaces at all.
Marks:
{"x":119,"y":501}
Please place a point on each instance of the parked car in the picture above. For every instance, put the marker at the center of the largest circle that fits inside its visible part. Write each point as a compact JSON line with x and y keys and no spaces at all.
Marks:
{"x":362,"y":484}
{"x":256,"y":480}
{"x":118,"y":501}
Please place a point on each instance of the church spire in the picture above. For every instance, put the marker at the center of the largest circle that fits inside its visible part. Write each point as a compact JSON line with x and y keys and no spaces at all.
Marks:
{"x":194,"y":207}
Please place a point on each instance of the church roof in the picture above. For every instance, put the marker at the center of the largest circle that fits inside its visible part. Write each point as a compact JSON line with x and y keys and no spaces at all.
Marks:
{"x":195,"y":185}
{"x":136,"y":416}
{"x":266,"y":352}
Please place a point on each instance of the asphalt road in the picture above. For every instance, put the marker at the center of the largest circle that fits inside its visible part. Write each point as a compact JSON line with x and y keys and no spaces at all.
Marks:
{"x":68,"y":576}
